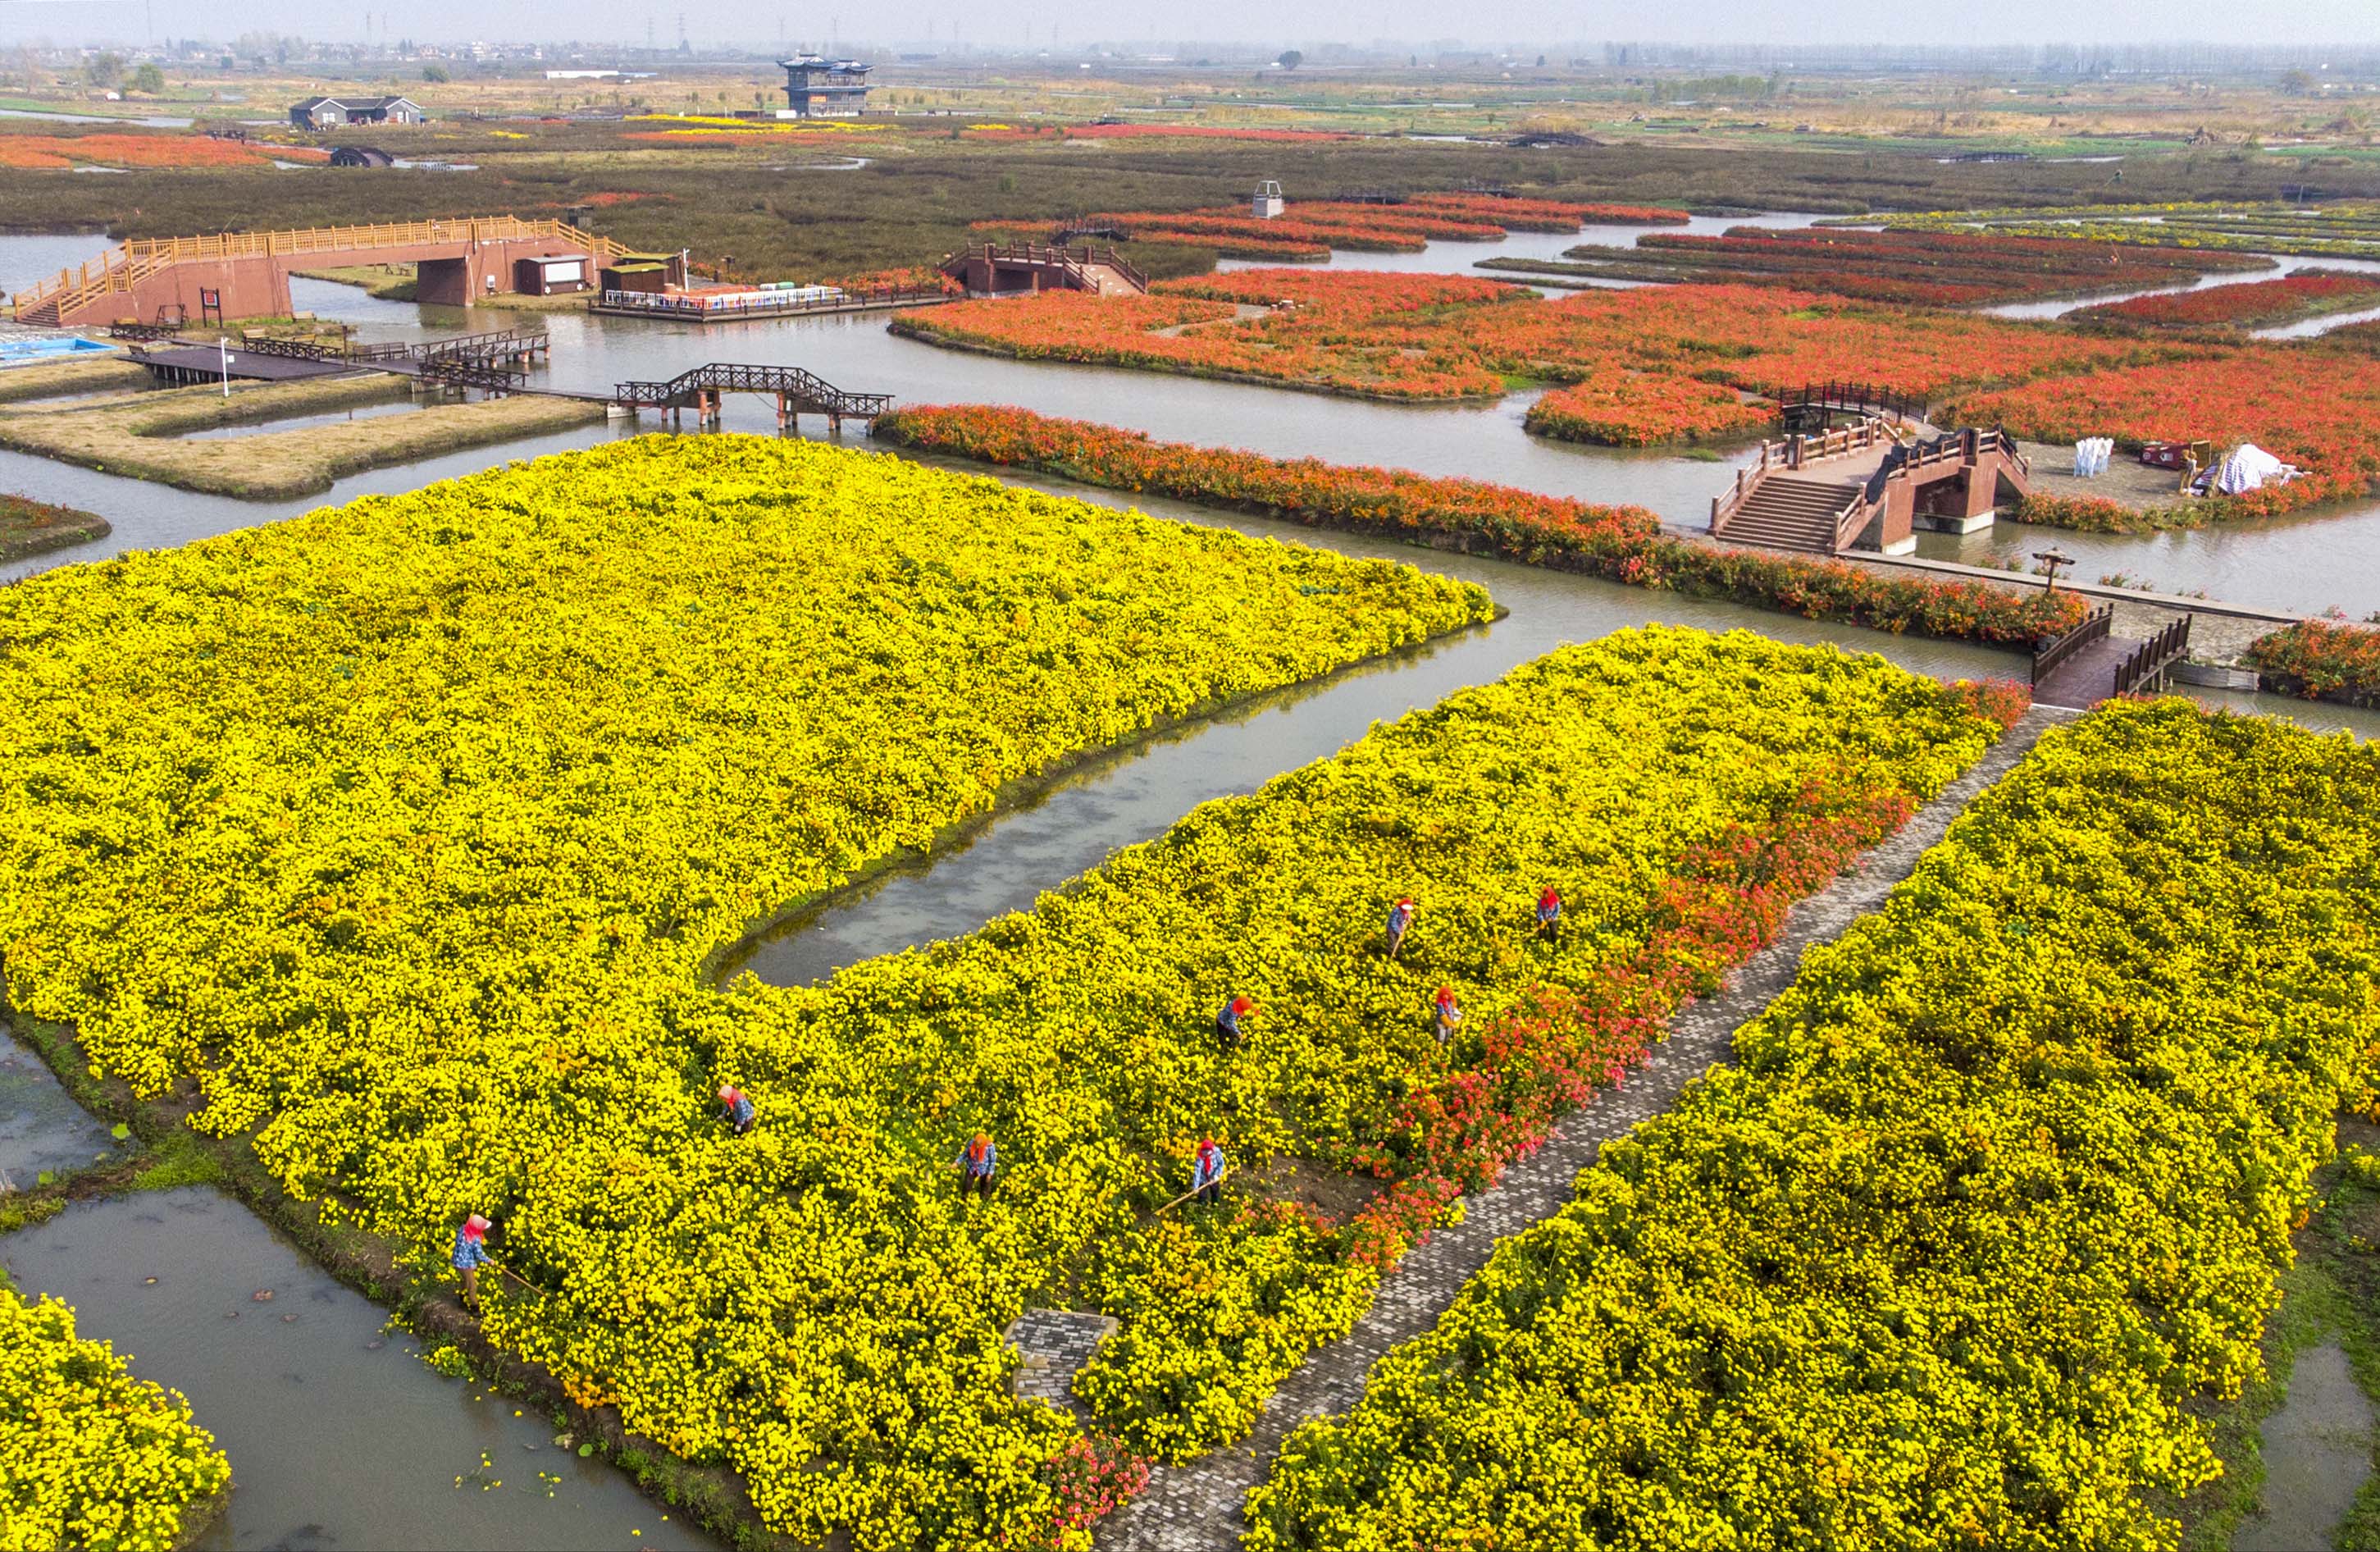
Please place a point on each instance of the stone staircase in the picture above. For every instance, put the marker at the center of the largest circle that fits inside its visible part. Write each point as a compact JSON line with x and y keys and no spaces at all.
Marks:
{"x":1791,"y":512}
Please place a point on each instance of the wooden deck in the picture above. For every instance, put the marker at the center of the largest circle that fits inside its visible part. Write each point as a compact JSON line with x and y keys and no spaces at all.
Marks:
{"x":204,"y":363}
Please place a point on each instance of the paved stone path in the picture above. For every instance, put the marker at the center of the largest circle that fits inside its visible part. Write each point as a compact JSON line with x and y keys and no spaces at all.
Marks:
{"x":1053,"y":1344}
{"x":1196,"y":1507}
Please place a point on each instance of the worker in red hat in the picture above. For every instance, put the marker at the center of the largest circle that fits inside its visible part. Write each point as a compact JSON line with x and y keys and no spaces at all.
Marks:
{"x":1549,"y":911}
{"x":470,"y":1254}
{"x":1448,"y":1015}
{"x":737,"y":1106}
{"x":1400,"y":917}
{"x":1227,"y":1023}
{"x":1206,"y":1170}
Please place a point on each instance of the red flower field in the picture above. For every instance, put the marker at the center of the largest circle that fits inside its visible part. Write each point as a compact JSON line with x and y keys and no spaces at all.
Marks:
{"x":2255,"y":304}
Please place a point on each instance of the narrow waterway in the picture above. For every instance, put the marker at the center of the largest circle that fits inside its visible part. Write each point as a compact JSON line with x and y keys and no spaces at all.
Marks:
{"x":338,"y":1437}
{"x":41,"y":1129}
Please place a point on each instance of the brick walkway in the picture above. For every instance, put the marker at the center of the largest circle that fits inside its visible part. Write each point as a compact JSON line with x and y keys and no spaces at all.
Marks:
{"x":1197,"y":1505}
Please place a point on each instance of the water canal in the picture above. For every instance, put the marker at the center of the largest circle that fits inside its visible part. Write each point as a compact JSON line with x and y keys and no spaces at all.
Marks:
{"x":339,"y":1436}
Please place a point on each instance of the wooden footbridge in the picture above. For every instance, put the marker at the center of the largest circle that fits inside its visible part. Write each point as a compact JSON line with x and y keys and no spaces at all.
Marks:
{"x":2081,"y":667}
{"x":797,"y":392}
{"x":1811,"y":408}
{"x":1865,"y":487}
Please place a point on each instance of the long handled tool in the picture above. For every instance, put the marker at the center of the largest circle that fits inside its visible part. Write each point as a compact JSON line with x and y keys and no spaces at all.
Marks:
{"x":1196,"y":1190}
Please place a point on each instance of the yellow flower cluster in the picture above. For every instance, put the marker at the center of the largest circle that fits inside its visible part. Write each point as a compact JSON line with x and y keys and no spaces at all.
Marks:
{"x":91,"y":1457}
{"x":1994,"y":1198}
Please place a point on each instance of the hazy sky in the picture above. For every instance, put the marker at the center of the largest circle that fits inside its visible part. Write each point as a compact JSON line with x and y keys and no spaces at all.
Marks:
{"x":1007,"y":22}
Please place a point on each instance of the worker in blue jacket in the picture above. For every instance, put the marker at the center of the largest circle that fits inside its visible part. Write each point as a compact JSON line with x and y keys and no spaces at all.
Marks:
{"x":977,"y":1164}
{"x":470,"y":1254}
{"x":1206,"y":1171}
{"x":1400,"y":922}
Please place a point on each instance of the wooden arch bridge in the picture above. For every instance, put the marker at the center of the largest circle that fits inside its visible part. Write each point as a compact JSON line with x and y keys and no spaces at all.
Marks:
{"x":797,"y":393}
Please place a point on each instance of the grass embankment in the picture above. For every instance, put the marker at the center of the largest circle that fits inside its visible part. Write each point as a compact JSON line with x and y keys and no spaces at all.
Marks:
{"x":138,"y":436}
{"x":29,"y":527}
{"x":90,"y":375}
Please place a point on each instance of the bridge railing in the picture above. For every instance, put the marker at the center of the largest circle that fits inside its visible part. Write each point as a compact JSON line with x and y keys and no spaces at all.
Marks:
{"x":1856,"y":398}
{"x":2048,"y":655}
{"x":2147,"y":663}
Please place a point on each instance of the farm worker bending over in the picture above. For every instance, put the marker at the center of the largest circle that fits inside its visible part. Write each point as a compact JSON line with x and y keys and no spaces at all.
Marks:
{"x":1206,"y":1171}
{"x":1549,"y":910}
{"x":470,"y":1254}
{"x":739,"y":1108}
{"x":1450,"y":1017}
{"x":1400,"y":917}
{"x":978,"y":1162}
{"x":1227,"y":1023}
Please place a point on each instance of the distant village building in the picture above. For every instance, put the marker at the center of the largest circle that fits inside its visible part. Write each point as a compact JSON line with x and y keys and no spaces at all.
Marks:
{"x":329,"y":113}
{"x":820,"y":88}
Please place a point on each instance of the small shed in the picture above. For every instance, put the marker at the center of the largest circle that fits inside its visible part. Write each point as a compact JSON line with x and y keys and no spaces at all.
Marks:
{"x":637,"y":274}
{"x":1267,"y":204}
{"x":360,"y":156}
{"x":549,"y":276}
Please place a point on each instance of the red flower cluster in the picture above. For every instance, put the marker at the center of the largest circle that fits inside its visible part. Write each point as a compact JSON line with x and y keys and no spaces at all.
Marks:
{"x":1340,"y":335}
{"x":1638,"y":410}
{"x":2323,"y":660}
{"x":1656,"y":364}
{"x":2249,"y":305}
{"x":1624,"y":544}
{"x":1518,"y":214}
{"x":121,"y":150}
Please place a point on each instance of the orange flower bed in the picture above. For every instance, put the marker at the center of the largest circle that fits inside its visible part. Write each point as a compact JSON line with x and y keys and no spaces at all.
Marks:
{"x":1661,"y":363}
{"x":2307,"y":294}
{"x":1640,"y":409}
{"x":137,"y":150}
{"x":1340,"y":335}
{"x":1548,"y":215}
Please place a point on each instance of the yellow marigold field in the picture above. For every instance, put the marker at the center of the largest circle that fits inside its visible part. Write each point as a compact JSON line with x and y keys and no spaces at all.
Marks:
{"x":91,"y":1457}
{"x":407,"y":829}
{"x":1991,"y":1204}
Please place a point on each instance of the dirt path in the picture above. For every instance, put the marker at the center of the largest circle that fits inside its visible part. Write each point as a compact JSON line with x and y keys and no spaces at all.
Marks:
{"x":1197,"y":1505}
